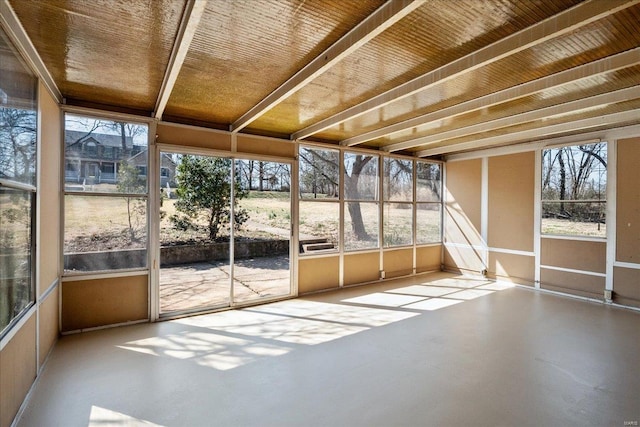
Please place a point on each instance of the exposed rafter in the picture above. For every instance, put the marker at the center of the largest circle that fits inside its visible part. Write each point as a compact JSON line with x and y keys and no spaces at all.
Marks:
{"x":555,"y":26}
{"x":384,"y":17}
{"x":595,"y":68}
{"x":193,"y":11}
{"x":537,"y":133}
{"x":529,"y":116}
{"x":16,"y":31}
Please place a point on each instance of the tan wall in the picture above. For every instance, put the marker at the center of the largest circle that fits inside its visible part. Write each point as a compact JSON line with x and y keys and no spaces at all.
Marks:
{"x":574,"y":254}
{"x":626,"y":286}
{"x":263,"y":146}
{"x":511,"y":267}
{"x":99,"y":302}
{"x":398,"y":262}
{"x":628,"y":201}
{"x":192,"y":137}
{"x":18,"y":367}
{"x":315,"y":274}
{"x":361,"y":268}
{"x":463,"y":202}
{"x":49,"y":324}
{"x":428,"y":258}
{"x":463,"y":259}
{"x":49,"y":191}
{"x":511,"y":201}
{"x":572,"y":283}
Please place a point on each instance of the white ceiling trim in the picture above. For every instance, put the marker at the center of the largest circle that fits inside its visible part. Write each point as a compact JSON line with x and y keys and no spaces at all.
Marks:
{"x":194,"y":9}
{"x":554,"y":26}
{"x":528,"y":116}
{"x":541,"y":132}
{"x":595,"y":68}
{"x":384,"y":17}
{"x":19,"y":37}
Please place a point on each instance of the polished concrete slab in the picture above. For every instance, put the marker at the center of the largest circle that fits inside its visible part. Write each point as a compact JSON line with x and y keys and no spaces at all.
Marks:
{"x":473,"y":352}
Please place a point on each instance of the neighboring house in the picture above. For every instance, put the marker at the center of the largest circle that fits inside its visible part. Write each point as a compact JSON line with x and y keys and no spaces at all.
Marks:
{"x":95,"y":158}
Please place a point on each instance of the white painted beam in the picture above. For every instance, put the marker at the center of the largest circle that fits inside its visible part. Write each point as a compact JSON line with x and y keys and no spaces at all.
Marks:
{"x":592,"y":69}
{"x":194,"y":9}
{"x":17,"y":33}
{"x":516,"y":119}
{"x":541,"y":133}
{"x":552,"y":27}
{"x":384,"y":17}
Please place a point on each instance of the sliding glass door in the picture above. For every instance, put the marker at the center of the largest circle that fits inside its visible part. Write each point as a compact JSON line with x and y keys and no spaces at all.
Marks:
{"x":223,"y":241}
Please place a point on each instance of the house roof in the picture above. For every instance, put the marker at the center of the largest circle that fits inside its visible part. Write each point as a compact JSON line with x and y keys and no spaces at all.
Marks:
{"x":72,"y":137}
{"x":421,"y":77}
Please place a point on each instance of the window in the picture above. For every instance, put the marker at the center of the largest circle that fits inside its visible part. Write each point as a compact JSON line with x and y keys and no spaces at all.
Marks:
{"x":105,"y":211}
{"x":18,"y":153}
{"x":574,"y":187}
{"x":319,"y":207}
{"x":398,"y":202}
{"x":428,"y":202}
{"x":361,"y":194}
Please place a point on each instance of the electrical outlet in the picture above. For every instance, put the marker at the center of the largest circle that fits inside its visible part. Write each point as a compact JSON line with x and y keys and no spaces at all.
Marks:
{"x":382,"y":275}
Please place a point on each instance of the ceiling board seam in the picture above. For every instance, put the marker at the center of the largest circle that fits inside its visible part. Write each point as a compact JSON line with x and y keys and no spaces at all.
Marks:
{"x":552,"y":27}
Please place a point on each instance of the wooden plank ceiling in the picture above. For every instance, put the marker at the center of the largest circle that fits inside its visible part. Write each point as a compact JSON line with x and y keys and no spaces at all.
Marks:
{"x":421,"y":77}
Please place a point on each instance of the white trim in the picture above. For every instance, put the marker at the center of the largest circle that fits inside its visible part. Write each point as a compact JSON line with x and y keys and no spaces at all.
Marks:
{"x":519,"y":118}
{"x":153,"y":249}
{"x":232,"y":228}
{"x":104,"y":114}
{"x":537,"y":216}
{"x":571,"y":270}
{"x":380,"y":20}
{"x":577,"y":238}
{"x":15,"y":185}
{"x":484,"y":210}
{"x":16,"y":327}
{"x":629,"y":265}
{"x":514,"y":137}
{"x":536,"y":34}
{"x":294,"y":223}
{"x":311,"y":255}
{"x":19,"y":37}
{"x":362,"y":251}
{"x":511,"y":251}
{"x":49,"y":291}
{"x":110,"y":326}
{"x":611,"y":195}
{"x":561,"y":294}
{"x":595,"y":68}
{"x":193,"y":11}
{"x":212,"y":152}
{"x":94,"y":275}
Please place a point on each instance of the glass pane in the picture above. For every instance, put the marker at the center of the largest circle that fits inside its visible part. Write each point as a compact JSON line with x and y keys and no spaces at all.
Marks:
{"x":574,"y":187}
{"x":104,"y":233}
{"x":428,"y":220}
{"x":398,"y":224}
{"x":577,"y":218}
{"x":361,"y":177}
{"x":18,"y":117}
{"x":361,"y":225}
{"x":262,"y":242}
{"x":319,"y":172}
{"x":16,"y":291}
{"x":105,"y":156}
{"x":319,"y":223}
{"x":398,"y":180}
{"x":194,"y":232}
{"x":428,"y":182}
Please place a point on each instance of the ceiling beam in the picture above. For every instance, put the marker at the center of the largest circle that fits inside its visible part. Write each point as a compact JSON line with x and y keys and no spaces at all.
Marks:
{"x":193,"y":11}
{"x":552,"y":27}
{"x":595,"y":68}
{"x":19,"y":37}
{"x":537,"y":133}
{"x":384,"y":17}
{"x":529,"y":116}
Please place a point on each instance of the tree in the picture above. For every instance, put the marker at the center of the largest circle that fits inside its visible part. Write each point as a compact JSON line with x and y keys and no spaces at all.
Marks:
{"x":129,"y":182}
{"x":204,"y":191}
{"x":353,"y":191}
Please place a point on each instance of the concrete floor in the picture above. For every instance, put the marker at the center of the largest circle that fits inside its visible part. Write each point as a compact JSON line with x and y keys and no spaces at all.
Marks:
{"x":435,"y":350}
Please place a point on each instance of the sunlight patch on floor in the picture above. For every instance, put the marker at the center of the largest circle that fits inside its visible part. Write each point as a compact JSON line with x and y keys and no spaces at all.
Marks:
{"x":107,"y":418}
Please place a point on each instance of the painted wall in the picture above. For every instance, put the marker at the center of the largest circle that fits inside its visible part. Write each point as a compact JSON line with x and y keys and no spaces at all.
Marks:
{"x":23,"y":354}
